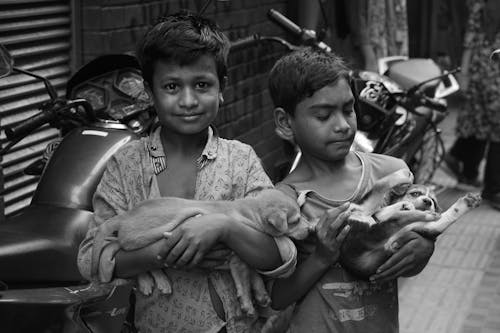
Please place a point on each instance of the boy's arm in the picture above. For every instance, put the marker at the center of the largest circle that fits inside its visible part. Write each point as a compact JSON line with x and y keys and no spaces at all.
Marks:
{"x":272,"y":256}
{"x":330,"y":233}
{"x":188,"y":244}
{"x":109,"y":200}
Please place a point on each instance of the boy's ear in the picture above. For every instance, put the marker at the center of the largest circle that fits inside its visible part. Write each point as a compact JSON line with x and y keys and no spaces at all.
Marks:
{"x":148,"y":89}
{"x":223,"y":84}
{"x":282,"y":124}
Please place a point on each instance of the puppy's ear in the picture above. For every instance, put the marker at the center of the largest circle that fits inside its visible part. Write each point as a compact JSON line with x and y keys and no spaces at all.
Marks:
{"x":436,"y":205}
{"x":393,"y":197}
{"x":278,"y":219}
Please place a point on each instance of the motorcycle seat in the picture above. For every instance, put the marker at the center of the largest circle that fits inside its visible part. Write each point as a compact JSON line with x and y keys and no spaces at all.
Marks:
{"x":413,"y":71}
{"x":41,"y":245}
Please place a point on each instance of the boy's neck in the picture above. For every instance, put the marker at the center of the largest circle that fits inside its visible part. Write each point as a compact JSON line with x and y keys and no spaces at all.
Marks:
{"x":180,"y":143}
{"x":313,"y":174}
{"x":319,"y":167}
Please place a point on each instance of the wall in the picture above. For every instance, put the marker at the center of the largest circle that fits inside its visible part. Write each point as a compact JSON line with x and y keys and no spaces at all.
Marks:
{"x":116,"y":26}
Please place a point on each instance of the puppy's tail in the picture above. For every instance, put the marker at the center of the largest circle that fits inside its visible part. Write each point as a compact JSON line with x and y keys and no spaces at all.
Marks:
{"x":104,"y":230}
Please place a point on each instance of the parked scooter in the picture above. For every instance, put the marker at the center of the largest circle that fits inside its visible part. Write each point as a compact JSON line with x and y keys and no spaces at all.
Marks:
{"x":41,"y":289}
{"x":397,"y":112}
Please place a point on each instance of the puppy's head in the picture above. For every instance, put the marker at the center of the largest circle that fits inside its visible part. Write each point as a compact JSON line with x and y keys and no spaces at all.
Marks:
{"x":281,"y":214}
{"x":422,"y":197}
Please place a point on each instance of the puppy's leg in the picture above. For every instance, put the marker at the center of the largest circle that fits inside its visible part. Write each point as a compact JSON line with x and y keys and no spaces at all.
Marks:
{"x":103,"y":231}
{"x":452,"y":214}
{"x":241,"y":276}
{"x":162,"y":281}
{"x":259,"y":289}
{"x":145,"y":283}
{"x":387,"y":213}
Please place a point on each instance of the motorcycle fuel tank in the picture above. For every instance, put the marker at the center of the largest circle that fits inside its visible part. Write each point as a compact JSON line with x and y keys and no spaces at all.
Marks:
{"x":76,"y":166}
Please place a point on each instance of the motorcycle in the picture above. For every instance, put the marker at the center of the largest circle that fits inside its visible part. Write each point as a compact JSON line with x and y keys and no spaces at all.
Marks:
{"x":398,"y":109}
{"x":41,"y":289}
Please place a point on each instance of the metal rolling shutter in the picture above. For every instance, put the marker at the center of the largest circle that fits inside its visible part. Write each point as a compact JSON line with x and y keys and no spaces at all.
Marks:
{"x":38,"y":35}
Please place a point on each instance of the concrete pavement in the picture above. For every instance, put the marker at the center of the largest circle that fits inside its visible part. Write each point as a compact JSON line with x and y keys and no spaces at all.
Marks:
{"x":459,"y":290}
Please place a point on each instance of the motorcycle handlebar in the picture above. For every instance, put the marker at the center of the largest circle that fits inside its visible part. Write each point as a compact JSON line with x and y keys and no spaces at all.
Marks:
{"x":307,"y":36}
{"x":285,"y":22}
{"x":437,"y":105}
{"x":28,"y":125}
{"x":245,"y":42}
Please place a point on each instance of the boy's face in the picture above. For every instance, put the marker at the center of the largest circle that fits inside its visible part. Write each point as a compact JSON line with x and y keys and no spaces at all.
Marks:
{"x":186,"y":97}
{"x":324,"y":124}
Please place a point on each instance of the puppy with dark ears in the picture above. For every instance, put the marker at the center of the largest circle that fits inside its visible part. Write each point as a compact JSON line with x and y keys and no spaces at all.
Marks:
{"x":372,"y":238}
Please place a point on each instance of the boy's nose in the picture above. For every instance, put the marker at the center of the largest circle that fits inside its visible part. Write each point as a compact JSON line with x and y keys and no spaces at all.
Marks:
{"x":188,"y":98}
{"x":341,"y":124}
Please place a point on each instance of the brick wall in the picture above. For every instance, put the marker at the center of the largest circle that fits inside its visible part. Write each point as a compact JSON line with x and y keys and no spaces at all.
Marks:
{"x":114,"y":26}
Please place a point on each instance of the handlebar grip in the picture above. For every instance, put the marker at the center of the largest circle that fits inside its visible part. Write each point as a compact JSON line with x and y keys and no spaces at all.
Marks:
{"x":437,"y":105}
{"x":285,"y":22}
{"x":25,"y":127}
{"x":244,"y":42}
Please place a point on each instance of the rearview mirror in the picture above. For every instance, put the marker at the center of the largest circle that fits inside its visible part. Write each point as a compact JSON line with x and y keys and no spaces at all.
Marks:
{"x":495,"y":55}
{"x":6,"y":62}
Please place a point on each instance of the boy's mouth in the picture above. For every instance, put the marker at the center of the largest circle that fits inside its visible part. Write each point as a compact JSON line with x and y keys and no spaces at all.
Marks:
{"x":189,"y":117}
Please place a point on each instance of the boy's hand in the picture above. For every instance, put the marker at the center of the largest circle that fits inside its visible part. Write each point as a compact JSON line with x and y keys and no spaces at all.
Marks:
{"x":331,"y":232}
{"x":187,"y":244}
{"x":413,"y":253}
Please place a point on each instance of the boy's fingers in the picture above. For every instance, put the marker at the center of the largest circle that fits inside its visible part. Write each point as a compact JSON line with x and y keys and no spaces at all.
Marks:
{"x":343,"y":233}
{"x":403,"y":239}
{"x":198,"y":260}
{"x":391,"y":269}
{"x":221,"y":254}
{"x":175,"y":253}
{"x":186,"y":257}
{"x":170,"y":241}
{"x":332,"y":215}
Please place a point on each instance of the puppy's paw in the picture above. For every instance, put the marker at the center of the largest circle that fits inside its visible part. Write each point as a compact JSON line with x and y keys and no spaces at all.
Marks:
{"x":259,"y":290}
{"x":145,"y":284}
{"x":162,"y":281}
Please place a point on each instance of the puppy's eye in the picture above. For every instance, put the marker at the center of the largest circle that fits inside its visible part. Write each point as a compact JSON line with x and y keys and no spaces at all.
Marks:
{"x":416,"y":194}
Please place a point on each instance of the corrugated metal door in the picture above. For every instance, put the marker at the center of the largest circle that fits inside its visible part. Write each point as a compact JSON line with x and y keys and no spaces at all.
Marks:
{"x":38,"y":35}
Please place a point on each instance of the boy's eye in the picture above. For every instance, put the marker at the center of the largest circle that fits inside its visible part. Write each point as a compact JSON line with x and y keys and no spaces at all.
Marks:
{"x":202,"y":85}
{"x":349,"y":110}
{"x":322,"y":116}
{"x":170,"y":86}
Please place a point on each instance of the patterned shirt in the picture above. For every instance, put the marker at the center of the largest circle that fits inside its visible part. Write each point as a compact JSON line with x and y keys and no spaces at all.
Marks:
{"x":227,"y":169}
{"x":339,"y":302}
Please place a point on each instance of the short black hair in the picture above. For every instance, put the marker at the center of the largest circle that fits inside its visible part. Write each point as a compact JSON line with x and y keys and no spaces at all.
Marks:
{"x":301,"y":73}
{"x":183,"y":38}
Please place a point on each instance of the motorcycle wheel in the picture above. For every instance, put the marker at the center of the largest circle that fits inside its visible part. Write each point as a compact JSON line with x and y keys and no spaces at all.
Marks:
{"x":427,"y":157}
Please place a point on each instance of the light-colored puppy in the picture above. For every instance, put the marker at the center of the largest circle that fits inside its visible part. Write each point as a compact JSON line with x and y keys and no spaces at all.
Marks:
{"x":270,"y":211}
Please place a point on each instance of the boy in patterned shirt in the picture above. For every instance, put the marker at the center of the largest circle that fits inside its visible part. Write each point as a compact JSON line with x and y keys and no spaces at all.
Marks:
{"x":183,"y":59}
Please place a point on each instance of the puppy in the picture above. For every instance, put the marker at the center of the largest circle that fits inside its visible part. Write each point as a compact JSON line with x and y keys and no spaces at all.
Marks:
{"x":270,"y":211}
{"x":374,"y":230}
